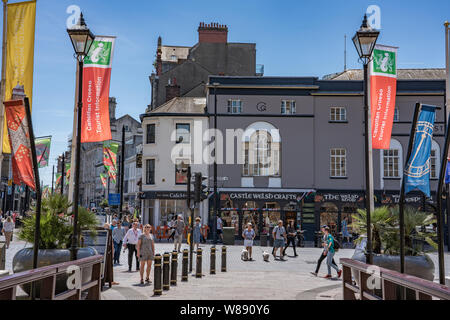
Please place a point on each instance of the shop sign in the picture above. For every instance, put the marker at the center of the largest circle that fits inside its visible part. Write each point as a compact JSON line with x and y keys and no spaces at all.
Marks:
{"x":265,"y":196}
{"x":342,"y":197}
{"x":164,"y":195}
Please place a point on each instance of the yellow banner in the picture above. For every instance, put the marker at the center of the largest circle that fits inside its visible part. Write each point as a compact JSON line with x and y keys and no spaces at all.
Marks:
{"x":19,"y":53}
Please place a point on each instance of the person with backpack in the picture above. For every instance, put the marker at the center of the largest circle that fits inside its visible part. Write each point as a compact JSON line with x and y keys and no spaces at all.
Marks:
{"x":323,"y":255}
{"x":279,"y":236}
{"x":330,"y":249}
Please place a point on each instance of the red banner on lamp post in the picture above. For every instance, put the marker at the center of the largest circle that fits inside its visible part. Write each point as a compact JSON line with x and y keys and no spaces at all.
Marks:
{"x":96,"y":79}
{"x":383,"y":89}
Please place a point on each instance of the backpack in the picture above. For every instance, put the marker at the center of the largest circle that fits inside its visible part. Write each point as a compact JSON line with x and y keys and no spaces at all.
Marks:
{"x":337,"y":244}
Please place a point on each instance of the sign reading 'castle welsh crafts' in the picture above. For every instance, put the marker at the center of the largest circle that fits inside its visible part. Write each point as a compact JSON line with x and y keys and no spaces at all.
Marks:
{"x":383,"y":88}
{"x":96,"y":78}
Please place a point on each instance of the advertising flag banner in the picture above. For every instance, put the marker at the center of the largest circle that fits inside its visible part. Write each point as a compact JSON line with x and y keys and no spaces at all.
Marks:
{"x":43,"y":150}
{"x":417,"y":171}
{"x":104,"y":179}
{"x":67,"y":174}
{"x":447,"y":172}
{"x":58,"y":179}
{"x":46,"y":192}
{"x":19,"y":140}
{"x":95,"y":125}
{"x":110,"y":158}
{"x":19,"y":53}
{"x":383,"y":89}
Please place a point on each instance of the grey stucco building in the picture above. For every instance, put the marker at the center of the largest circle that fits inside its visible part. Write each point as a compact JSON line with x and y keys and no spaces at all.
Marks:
{"x":316,"y":172}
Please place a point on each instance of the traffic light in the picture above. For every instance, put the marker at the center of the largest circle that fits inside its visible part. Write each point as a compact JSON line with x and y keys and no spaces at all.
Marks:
{"x":200,"y":189}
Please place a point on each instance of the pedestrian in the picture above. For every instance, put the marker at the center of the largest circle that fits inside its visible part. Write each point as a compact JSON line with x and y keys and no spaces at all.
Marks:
{"x":8,"y":228}
{"x":126,"y":223}
{"x":279,"y":236}
{"x":145,"y":251}
{"x":179,"y":229}
{"x":323,"y":254}
{"x":196,"y":233}
{"x":249,"y":235}
{"x":130,"y":241}
{"x":171,"y":226}
{"x":118,"y":234}
{"x":291,"y":234}
{"x":330,"y":254}
{"x":345,"y":233}
{"x":220,"y":228}
{"x":113,"y":225}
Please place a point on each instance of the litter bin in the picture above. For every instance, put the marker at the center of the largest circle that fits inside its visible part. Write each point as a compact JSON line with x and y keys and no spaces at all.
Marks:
{"x":263,"y":240}
{"x":228,"y":235}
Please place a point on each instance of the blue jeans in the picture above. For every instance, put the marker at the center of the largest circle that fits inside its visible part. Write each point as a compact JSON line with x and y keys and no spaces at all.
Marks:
{"x":117,"y":248}
{"x":330,"y":263}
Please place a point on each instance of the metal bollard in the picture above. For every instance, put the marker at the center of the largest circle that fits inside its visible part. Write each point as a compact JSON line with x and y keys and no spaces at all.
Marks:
{"x":224,"y":259}
{"x":184,"y":268}
{"x":213,"y":261}
{"x":173,"y":269}
{"x":157,"y":274}
{"x":166,"y":267}
{"x":198,"y":269}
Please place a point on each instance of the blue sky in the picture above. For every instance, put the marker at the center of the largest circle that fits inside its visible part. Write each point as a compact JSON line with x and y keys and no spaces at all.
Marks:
{"x":293,"y":38}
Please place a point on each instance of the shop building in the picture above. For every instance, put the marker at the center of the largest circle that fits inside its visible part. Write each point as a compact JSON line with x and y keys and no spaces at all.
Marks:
{"x":305,"y":139}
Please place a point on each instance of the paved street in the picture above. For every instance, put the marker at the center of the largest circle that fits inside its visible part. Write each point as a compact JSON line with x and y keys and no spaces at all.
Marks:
{"x":279,"y":280}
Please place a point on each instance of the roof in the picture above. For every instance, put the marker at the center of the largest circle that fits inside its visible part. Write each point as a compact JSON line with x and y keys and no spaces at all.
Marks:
{"x":182,"y":105}
{"x":402,"y":74}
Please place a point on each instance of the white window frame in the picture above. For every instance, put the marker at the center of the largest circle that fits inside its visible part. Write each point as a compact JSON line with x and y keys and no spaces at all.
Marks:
{"x":234,"y":106}
{"x":396,"y":115}
{"x":288,"y":107}
{"x":338,"y":114}
{"x":338,"y":163}
{"x":435,"y":160}
{"x":391,"y":157}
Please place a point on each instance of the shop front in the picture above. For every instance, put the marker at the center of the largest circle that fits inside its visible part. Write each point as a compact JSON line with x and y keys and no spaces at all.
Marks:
{"x":262,"y":209}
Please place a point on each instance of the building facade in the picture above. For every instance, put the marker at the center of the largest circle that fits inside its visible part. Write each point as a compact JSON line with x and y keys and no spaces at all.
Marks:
{"x":301,"y":148}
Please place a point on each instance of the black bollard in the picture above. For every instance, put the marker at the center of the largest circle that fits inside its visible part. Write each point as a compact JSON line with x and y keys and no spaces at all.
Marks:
{"x":184,"y":268}
{"x":173,"y":269}
{"x":213,"y":261}
{"x":157,"y":274}
{"x":198,"y":269}
{"x":166,"y":270}
{"x":224,"y":259}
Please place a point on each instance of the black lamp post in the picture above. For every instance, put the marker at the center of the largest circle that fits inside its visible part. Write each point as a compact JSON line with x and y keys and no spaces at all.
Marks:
{"x":82,"y":39}
{"x":364,"y":41}
{"x":216,"y":202}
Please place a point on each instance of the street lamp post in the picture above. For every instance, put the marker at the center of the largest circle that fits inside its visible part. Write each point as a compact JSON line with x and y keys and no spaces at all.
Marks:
{"x":364,"y":41}
{"x":82,"y":39}
{"x":215,"y":84}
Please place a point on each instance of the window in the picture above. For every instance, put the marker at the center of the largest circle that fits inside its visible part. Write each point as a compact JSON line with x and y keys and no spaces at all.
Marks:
{"x":234,"y":106}
{"x":435,"y":162}
{"x":183,"y":134}
{"x":396,"y":115}
{"x":151,"y":133}
{"x":181,"y":171}
{"x":338,"y":163}
{"x":150,"y":173}
{"x":338,"y":114}
{"x":391,"y":163}
{"x":288,"y":107}
{"x":127,"y":129}
{"x":261,"y":148}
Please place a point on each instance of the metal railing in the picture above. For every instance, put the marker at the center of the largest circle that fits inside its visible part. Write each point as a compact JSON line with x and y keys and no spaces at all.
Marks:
{"x":47,"y":276}
{"x":389,"y":284}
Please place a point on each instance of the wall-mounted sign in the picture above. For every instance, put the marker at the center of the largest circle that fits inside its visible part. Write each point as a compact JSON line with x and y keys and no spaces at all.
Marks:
{"x":261,"y":106}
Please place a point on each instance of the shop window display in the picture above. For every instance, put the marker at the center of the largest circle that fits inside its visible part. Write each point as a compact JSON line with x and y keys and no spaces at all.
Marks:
{"x":329,"y":217}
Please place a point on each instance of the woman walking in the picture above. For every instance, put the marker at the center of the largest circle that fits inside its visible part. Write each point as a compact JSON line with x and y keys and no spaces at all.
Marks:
{"x":197,"y":232}
{"x":8,"y":228}
{"x":145,"y":250}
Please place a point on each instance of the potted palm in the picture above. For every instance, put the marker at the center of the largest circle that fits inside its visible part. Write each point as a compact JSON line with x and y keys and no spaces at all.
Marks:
{"x":55,"y":238}
{"x":386,"y":240}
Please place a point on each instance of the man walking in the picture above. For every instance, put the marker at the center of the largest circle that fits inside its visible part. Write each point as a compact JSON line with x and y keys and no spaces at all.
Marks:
{"x":330,"y":254}
{"x":130,"y":241}
{"x":249,"y":236}
{"x":279,"y":236}
{"x":179,"y":230}
{"x":323,"y":255}
{"x":220,"y":228}
{"x":118,"y":234}
{"x":291,"y":234}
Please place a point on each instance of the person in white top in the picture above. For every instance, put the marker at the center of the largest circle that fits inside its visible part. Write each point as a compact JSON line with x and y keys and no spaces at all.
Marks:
{"x":220,"y":228}
{"x":8,"y":228}
{"x":130,"y":241}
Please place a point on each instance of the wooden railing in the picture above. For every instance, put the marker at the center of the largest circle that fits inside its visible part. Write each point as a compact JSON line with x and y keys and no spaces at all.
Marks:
{"x":47,"y":277}
{"x":391,"y":284}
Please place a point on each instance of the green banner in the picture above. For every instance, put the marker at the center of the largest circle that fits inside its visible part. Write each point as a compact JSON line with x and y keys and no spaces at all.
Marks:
{"x":42,"y":150}
{"x":110,"y":158}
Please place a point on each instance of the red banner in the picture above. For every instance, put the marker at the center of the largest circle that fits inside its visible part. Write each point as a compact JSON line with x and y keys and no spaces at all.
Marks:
{"x":383,"y":89}
{"x":19,"y":140}
{"x":96,"y":79}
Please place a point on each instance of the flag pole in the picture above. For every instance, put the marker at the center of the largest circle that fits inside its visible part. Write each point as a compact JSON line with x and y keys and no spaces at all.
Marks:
{"x":402,"y":191}
{"x":3,"y":80}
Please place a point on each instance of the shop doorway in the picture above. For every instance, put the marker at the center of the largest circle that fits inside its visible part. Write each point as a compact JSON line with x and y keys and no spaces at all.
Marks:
{"x":250,"y":213}
{"x":329,"y":216}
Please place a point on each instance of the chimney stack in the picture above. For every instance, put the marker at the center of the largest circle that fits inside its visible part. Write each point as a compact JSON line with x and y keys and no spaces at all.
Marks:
{"x":212,"y":33}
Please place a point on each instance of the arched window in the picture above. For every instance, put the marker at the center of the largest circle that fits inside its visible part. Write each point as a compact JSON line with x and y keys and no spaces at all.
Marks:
{"x":392,"y":160}
{"x":261,"y":144}
{"x":435,"y":160}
